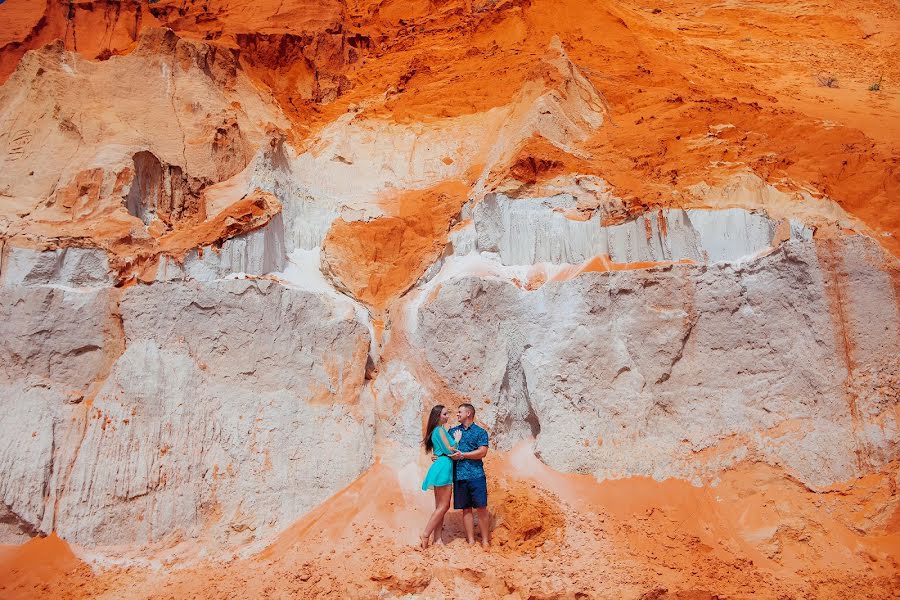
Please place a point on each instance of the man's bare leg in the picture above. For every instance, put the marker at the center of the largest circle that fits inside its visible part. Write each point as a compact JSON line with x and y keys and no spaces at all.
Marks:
{"x":484,"y":524}
{"x":469,"y":524}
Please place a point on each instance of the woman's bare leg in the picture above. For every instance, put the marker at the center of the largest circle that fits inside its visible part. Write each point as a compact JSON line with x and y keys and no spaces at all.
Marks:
{"x":441,"y":506}
{"x":439,"y":530}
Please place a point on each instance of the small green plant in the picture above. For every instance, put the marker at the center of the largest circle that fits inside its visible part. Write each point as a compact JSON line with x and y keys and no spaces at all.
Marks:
{"x":876,"y":87}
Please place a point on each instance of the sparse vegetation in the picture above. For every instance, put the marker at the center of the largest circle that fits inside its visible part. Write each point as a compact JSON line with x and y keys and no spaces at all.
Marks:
{"x":876,"y":87}
{"x":829,"y":81}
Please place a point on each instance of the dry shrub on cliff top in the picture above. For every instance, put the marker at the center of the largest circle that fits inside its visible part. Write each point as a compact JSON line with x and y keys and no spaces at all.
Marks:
{"x":829,"y":81}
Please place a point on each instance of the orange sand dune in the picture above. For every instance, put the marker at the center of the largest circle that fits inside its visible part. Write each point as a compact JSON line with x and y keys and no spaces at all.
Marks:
{"x":35,"y":565}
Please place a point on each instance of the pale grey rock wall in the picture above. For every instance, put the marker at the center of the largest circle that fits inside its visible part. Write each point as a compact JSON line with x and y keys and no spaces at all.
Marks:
{"x":231,"y":409}
{"x":73,"y":267}
{"x":220,"y":411}
{"x":399,"y":394}
{"x":528,"y":231}
{"x":258,"y":252}
{"x":681,"y":371}
{"x":51,"y":352}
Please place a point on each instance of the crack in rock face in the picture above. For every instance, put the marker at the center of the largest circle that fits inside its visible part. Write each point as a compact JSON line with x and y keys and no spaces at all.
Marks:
{"x":162,"y":192}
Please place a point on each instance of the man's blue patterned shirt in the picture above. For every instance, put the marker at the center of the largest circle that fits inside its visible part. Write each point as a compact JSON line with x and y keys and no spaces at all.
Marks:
{"x":472,"y":438}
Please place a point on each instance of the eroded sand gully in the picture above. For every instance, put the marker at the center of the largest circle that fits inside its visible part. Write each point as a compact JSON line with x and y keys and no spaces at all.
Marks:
{"x":269,"y":241}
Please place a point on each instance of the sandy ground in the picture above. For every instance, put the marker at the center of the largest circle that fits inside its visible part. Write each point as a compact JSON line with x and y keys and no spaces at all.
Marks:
{"x":758,"y":533}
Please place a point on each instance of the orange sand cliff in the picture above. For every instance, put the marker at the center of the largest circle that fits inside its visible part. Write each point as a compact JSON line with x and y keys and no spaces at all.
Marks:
{"x":673,"y":75}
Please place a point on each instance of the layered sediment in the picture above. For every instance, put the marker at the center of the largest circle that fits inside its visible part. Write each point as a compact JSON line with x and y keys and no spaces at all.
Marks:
{"x":243,"y":252}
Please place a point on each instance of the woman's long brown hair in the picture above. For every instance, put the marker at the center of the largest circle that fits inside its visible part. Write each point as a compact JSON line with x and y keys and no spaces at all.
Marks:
{"x":434,"y":419}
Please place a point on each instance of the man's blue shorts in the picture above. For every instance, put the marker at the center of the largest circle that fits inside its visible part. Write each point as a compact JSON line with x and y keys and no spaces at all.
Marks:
{"x":470,"y":493}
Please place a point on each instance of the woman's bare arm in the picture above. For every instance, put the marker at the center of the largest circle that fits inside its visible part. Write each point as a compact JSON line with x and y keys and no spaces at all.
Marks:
{"x":447,"y":442}
{"x":445,"y":439}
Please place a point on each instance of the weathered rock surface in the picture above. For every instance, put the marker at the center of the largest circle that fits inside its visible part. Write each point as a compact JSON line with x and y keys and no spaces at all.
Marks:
{"x":681,"y":371}
{"x":632,"y":235}
{"x":230,"y":409}
{"x":52,"y":351}
{"x":534,"y":230}
{"x":256,"y":253}
{"x":132,"y":154}
{"x":74,"y":267}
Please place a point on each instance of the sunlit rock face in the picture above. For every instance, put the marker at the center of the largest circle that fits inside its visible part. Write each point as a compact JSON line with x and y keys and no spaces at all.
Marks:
{"x":195,"y":407}
{"x":258,"y":252}
{"x":182,"y":411}
{"x":681,"y":371}
{"x":529,"y":231}
{"x":51,"y":354}
{"x":74,"y":267}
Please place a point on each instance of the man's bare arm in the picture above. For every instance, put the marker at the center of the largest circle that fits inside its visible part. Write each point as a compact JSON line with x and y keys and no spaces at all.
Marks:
{"x":481,"y":452}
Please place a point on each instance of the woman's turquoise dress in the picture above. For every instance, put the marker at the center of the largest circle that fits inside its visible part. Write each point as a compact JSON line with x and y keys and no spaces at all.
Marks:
{"x":441,"y":470}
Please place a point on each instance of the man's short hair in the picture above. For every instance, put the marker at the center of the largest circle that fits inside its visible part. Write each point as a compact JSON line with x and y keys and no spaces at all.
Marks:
{"x":468,"y":407}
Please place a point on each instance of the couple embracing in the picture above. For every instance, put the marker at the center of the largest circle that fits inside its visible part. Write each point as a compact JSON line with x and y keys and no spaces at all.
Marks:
{"x":457,"y":468}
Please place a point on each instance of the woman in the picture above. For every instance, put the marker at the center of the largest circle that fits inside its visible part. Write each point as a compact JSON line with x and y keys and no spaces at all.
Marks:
{"x":440,"y":474}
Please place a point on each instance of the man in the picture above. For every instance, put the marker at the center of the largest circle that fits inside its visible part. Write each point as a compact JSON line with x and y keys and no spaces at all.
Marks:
{"x":469,"y":481}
